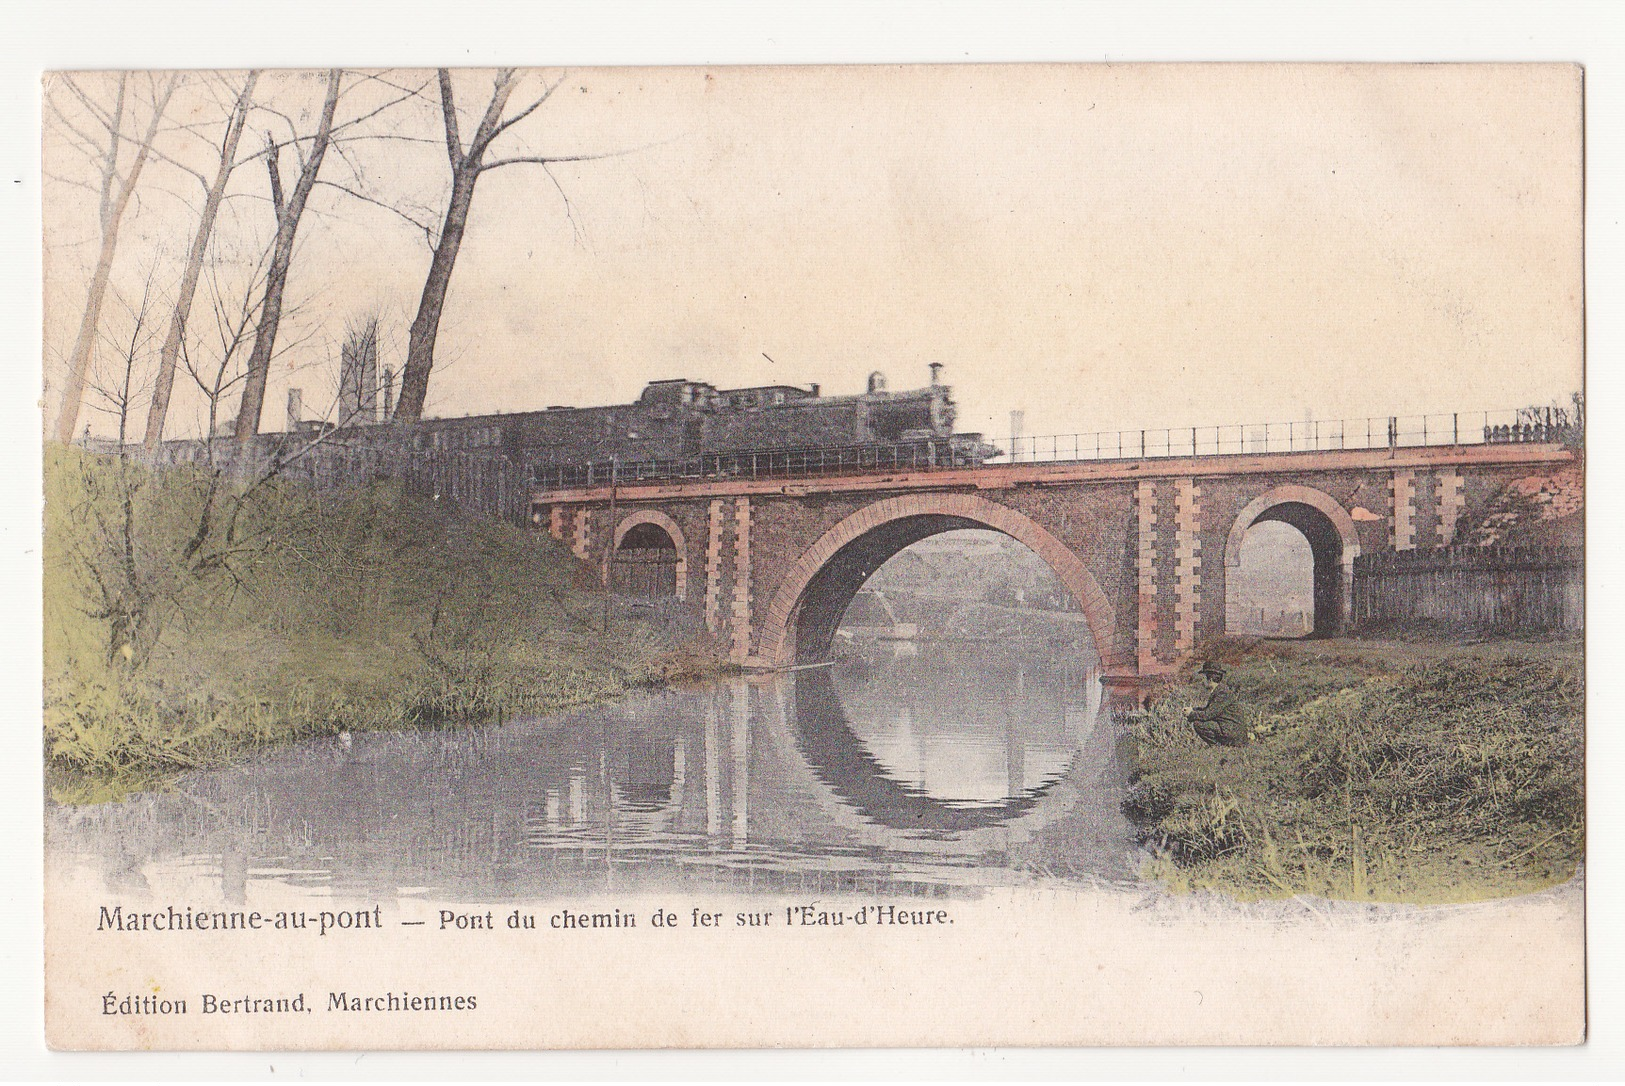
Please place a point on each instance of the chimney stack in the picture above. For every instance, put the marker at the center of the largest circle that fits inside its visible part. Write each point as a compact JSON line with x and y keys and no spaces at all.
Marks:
{"x":296,"y":409}
{"x":936,"y":373}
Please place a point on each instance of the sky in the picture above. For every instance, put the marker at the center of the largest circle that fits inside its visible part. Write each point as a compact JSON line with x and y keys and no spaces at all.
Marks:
{"x":1099,"y":246}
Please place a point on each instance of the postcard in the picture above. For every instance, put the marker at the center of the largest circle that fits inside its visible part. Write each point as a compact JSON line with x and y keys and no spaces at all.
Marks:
{"x":833,"y":556}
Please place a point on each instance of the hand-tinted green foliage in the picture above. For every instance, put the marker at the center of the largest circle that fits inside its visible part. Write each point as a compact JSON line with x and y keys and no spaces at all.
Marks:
{"x":1453,"y":777}
{"x":184,"y":624}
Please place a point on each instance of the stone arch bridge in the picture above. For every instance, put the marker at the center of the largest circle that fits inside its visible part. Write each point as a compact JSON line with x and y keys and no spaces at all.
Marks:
{"x":1145,"y":546}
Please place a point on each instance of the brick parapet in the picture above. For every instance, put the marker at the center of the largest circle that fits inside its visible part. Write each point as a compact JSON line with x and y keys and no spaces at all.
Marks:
{"x":1290,"y":465}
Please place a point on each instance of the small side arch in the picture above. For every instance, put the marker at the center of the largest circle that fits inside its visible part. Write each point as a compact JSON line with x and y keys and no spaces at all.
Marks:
{"x":1332,"y":539}
{"x":666,"y":524}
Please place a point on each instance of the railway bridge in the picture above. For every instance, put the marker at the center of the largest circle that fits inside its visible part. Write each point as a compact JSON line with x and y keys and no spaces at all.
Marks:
{"x":1146,"y":544}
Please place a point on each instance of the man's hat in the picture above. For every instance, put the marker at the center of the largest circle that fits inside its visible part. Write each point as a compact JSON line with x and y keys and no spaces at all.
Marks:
{"x":1213,"y":669}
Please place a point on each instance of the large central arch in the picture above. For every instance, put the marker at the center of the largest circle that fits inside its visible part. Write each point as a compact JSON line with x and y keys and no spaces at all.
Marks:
{"x":815,"y":592}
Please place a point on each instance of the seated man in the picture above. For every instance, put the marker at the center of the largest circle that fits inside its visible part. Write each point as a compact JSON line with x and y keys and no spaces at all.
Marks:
{"x":1219,"y":722}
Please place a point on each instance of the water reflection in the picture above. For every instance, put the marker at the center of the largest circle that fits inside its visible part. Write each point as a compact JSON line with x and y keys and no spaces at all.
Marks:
{"x":927,"y":743}
{"x":903,"y":775}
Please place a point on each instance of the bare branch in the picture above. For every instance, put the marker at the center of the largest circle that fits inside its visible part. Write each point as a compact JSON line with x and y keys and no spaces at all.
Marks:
{"x":427,"y":228}
{"x":62,"y":121}
{"x":374,"y":112}
{"x":102,"y":116}
{"x":202,"y":131}
{"x":110,"y":163}
{"x":378,"y":77}
{"x":195,"y":174}
{"x":293,"y":129}
{"x":448,"y":110}
{"x":549,"y":160}
{"x":76,"y":182}
{"x":527,"y":111}
{"x":272,"y":167}
{"x":390,"y":137}
{"x":569,"y":208}
{"x":501,"y":88}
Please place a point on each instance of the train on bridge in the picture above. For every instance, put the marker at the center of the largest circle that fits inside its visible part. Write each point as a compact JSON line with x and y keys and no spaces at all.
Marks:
{"x":681,"y":428}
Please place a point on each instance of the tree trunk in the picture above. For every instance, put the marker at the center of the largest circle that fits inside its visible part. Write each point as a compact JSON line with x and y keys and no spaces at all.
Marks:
{"x":276,"y":278}
{"x":112,"y":212}
{"x":168,"y":355}
{"x":465,"y":171}
{"x":426,"y":325}
{"x":79,"y":362}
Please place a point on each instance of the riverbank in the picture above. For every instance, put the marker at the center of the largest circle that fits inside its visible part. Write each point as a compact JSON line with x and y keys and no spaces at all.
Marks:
{"x":1382,"y":770}
{"x":189,"y":621}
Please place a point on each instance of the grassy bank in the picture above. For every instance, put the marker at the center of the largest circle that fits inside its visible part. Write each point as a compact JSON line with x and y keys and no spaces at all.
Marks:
{"x":188,"y":621}
{"x":1388,"y":771}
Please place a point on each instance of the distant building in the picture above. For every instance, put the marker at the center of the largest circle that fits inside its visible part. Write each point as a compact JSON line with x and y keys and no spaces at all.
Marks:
{"x":358,"y":377}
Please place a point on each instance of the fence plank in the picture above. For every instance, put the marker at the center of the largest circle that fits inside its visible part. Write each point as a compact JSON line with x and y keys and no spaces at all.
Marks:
{"x":1473,"y":589}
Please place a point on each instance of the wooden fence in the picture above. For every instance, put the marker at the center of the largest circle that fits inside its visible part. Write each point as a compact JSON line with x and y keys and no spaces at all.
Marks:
{"x":483,"y":483}
{"x":1472,"y":589}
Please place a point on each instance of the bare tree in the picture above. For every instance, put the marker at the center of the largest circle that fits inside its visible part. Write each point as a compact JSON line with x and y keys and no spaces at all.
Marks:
{"x":233,"y":478}
{"x":467,"y":165}
{"x":289,"y":207}
{"x":1553,"y":422}
{"x":119,"y":377}
{"x":108,"y":544}
{"x":215,"y":191}
{"x":117,"y":185}
{"x":213,"y":356}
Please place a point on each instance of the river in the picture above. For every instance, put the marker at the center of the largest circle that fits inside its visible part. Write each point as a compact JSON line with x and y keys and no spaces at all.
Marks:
{"x":938,"y":773}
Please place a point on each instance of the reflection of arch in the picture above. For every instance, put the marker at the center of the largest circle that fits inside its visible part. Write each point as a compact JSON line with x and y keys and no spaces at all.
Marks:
{"x":1332,"y":539}
{"x":820,"y":584}
{"x":669,"y":526}
{"x":848,"y":768}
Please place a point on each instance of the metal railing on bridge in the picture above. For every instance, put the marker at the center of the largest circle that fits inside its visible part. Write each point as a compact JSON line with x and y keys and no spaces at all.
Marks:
{"x":971,"y":450}
{"x":1314,"y":435}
